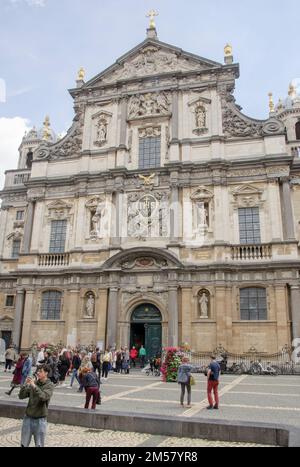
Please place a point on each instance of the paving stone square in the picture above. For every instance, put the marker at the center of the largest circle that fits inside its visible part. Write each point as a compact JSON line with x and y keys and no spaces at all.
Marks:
{"x":265,"y":399}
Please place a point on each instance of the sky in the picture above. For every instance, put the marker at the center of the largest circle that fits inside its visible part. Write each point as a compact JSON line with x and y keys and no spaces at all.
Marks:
{"x":43,"y":43}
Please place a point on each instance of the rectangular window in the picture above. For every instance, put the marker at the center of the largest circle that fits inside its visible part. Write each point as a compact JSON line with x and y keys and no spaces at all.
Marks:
{"x":249,"y":226}
{"x":51,"y":305}
{"x":10,"y":300}
{"x":20,"y":215}
{"x":58,"y":236}
{"x":253,"y":304}
{"x":149,"y":152}
{"x":16,"y":247}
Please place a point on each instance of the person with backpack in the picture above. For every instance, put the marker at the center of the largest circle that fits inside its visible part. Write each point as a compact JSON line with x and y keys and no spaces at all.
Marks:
{"x":91,"y":385}
{"x":96,"y":361}
{"x":184,"y":379}
{"x":106,"y":363}
{"x":213,"y":376}
{"x":76,"y":362}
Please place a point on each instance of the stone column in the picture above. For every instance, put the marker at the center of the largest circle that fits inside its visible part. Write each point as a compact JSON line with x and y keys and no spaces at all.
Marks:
{"x":112,"y":317}
{"x":27,"y":337}
{"x":287,"y":210}
{"x":17,"y":330}
{"x":295,"y":311}
{"x":101,"y":313}
{"x":116,"y":240}
{"x":221,"y":316}
{"x":71,"y":308}
{"x":175,"y":117}
{"x":174,"y":214}
{"x":187,"y":315}
{"x":3,"y":224}
{"x":173,"y":317}
{"x":282,"y":318}
{"x":123,"y":128}
{"x":174,"y":143}
{"x":28,"y":227}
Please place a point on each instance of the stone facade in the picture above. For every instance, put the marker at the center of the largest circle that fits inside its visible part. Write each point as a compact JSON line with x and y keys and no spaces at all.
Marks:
{"x":166,"y":235}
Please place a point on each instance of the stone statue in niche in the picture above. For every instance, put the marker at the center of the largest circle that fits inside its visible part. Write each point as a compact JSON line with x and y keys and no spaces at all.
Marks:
{"x":98,"y":225}
{"x":101,"y":132}
{"x":90,"y":306}
{"x":200,"y":119}
{"x":200,"y":114}
{"x":202,"y":215}
{"x":203,"y":302}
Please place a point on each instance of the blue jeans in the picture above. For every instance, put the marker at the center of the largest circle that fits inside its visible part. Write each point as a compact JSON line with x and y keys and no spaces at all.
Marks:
{"x":74,"y":375}
{"x":36,"y":427}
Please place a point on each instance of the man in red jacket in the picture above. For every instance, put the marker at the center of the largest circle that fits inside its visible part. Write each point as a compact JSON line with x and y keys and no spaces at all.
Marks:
{"x":133,"y":355}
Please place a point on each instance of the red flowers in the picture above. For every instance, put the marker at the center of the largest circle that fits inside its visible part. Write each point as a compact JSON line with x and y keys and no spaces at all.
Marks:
{"x":172,"y":361}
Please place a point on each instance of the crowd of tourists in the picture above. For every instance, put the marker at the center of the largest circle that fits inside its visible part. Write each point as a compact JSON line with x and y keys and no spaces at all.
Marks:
{"x":38,"y":372}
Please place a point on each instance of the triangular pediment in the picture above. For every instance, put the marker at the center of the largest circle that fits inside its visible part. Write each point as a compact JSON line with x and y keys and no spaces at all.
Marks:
{"x":247,"y":190}
{"x":152,"y":57}
{"x":59,"y":205}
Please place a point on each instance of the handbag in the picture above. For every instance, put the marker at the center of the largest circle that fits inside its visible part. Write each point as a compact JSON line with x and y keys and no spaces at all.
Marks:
{"x":192,"y":381}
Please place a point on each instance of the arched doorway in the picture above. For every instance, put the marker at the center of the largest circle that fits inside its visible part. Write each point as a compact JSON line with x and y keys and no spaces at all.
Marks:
{"x":146,"y":329}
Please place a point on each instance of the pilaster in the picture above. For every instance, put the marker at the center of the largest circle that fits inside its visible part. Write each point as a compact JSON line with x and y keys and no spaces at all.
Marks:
{"x":27,"y":319}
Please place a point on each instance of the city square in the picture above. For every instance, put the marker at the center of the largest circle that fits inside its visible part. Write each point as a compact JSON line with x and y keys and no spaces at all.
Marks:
{"x":147,"y":218}
{"x":243,"y":398}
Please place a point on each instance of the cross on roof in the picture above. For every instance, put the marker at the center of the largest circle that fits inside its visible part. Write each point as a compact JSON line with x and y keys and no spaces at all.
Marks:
{"x":151,"y":15}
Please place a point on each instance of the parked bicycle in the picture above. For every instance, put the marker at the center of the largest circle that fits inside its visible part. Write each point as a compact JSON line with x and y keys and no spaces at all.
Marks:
{"x":258,"y":368}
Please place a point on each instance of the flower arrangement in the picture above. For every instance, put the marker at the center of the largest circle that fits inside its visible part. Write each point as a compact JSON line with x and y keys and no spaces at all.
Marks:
{"x":172,"y":361}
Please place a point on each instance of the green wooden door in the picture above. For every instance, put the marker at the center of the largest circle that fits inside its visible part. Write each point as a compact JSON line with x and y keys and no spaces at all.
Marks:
{"x":149,"y":316}
{"x":153,"y":339}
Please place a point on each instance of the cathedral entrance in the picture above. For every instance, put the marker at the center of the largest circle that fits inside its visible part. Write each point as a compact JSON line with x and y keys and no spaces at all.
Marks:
{"x":146,"y":329}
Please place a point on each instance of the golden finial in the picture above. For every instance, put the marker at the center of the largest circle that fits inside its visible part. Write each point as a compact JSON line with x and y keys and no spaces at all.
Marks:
{"x":81,"y":74}
{"x":151,"y":15}
{"x":271,"y":102}
{"x":228,"y":50}
{"x":46,"y":130}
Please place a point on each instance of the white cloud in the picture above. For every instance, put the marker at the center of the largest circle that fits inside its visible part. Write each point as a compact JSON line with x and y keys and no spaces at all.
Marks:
{"x":11,"y":133}
{"x":30,"y":2}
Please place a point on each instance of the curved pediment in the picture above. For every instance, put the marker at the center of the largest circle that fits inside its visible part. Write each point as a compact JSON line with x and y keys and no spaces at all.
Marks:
{"x":236,"y":124}
{"x":142,"y":259}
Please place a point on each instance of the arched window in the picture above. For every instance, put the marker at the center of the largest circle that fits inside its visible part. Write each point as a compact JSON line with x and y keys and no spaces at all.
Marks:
{"x":297,"y":129}
{"x":29,"y":159}
{"x":51,"y":305}
{"x":253,"y":304}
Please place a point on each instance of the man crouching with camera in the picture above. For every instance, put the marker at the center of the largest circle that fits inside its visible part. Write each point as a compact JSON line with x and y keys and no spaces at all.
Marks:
{"x":39,"y":389}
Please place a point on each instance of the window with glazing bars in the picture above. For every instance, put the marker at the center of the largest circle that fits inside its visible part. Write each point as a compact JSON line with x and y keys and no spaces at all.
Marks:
{"x":20,"y":215}
{"x":16,"y":247}
{"x":149,"y":152}
{"x":10,"y":300}
{"x":58,"y":236}
{"x":249,"y":226}
{"x":51,"y":305}
{"x":253,"y":304}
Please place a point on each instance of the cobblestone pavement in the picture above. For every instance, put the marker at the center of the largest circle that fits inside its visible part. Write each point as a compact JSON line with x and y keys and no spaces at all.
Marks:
{"x":72,"y":436}
{"x":263,"y":399}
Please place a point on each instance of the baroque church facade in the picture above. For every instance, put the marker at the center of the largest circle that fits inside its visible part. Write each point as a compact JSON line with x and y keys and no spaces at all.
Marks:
{"x":164,"y":216}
